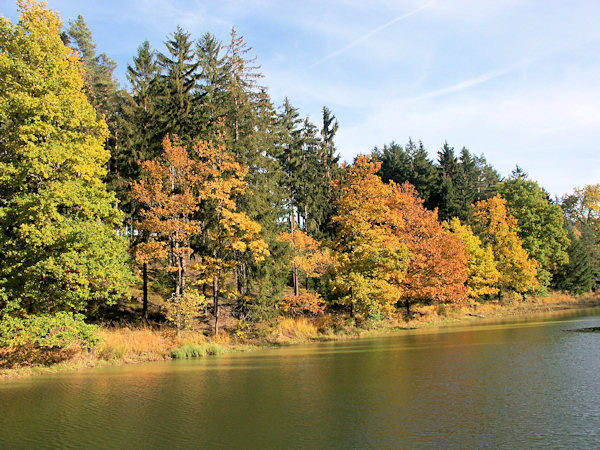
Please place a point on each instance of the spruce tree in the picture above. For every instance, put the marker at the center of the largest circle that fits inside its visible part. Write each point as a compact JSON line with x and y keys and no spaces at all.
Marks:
{"x":178,"y":94}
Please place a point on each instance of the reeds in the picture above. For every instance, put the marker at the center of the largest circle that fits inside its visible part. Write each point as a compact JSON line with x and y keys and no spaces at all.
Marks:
{"x":189,"y":351}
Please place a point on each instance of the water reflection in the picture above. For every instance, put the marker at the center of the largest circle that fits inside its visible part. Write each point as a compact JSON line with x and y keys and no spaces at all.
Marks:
{"x":523,"y":383}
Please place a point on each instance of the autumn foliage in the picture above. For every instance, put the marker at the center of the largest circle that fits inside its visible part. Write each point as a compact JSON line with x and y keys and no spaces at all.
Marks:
{"x":437,"y":270}
{"x":498,"y":229}
{"x":371,"y":260}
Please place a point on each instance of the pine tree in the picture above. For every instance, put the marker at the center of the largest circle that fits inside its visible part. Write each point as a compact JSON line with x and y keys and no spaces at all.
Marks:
{"x":139,"y":138}
{"x":447,"y":197}
{"x":57,"y":221}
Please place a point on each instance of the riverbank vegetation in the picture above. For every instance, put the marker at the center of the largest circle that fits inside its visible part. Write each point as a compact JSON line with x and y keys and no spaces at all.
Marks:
{"x":197,"y":215}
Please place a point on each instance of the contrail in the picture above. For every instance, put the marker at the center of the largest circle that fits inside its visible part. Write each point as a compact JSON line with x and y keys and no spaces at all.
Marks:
{"x":371,"y":33}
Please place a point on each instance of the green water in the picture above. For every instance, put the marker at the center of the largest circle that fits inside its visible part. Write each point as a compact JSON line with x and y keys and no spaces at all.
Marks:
{"x":513,"y":385}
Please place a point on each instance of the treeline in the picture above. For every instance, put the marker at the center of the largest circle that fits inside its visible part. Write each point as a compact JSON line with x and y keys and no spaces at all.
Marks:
{"x":191,"y":184}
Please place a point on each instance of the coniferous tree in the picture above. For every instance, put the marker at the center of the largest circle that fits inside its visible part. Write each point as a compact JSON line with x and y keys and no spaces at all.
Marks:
{"x":447,"y":199}
{"x":178,"y":94}
{"x":409,"y":164}
{"x":101,"y":86}
{"x":423,"y":176}
{"x":576,"y":276}
{"x":140,"y":135}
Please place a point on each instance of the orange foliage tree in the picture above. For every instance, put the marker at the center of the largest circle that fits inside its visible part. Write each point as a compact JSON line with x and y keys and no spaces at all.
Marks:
{"x":170,"y":189}
{"x":309,"y":257}
{"x":438,"y":264}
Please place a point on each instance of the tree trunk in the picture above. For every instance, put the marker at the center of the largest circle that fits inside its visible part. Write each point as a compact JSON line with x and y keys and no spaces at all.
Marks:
{"x":182,"y":270}
{"x":407,"y":306}
{"x":352,"y":313}
{"x":145,"y":291}
{"x":294,"y":268}
{"x":216,"y":300}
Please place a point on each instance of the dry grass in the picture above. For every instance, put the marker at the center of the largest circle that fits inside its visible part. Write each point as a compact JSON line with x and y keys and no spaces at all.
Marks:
{"x":133,"y":343}
{"x":296,"y":328}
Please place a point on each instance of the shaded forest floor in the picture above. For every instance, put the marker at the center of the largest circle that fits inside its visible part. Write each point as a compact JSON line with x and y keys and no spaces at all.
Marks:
{"x":126,"y":341}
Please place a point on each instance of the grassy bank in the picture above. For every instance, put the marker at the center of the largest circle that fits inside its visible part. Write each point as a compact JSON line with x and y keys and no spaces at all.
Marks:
{"x":126,"y":344}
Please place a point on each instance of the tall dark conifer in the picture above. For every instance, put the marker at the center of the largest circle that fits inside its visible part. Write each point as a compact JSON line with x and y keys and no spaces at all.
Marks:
{"x":178,"y":94}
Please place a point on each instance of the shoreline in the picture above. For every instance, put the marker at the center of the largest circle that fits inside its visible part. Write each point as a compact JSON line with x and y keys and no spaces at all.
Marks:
{"x":162,"y":344}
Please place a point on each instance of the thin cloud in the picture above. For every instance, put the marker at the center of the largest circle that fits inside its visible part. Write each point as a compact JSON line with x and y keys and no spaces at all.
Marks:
{"x":466,"y":84}
{"x":371,"y":33}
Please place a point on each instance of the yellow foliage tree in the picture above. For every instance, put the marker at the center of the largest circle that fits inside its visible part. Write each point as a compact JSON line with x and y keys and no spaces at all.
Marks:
{"x":371,"y":259}
{"x":483,"y":274}
{"x":518,"y":272}
{"x":58,"y":245}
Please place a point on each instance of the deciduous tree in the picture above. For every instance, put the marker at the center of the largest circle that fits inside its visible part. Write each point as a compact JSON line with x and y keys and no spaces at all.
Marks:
{"x":371,"y":261}
{"x":483,"y":274}
{"x":498,"y":229}
{"x":57,"y":221}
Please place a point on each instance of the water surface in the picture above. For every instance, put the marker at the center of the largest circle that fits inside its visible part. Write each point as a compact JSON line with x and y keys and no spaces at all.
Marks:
{"x":519,"y":384}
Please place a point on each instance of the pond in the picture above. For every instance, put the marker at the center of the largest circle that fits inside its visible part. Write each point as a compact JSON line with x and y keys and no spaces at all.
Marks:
{"x":527,"y":383}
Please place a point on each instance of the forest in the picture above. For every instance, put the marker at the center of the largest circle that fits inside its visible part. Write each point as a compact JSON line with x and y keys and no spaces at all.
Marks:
{"x":189,"y":198}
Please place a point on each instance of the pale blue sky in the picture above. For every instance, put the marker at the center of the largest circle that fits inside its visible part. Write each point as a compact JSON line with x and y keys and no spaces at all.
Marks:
{"x":517,"y":80}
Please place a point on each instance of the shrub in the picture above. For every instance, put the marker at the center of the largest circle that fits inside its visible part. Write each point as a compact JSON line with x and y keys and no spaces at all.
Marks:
{"x":44,"y":338}
{"x":119,"y":343}
{"x":300,"y":328}
{"x":47,"y":331}
{"x":181,"y":310}
{"x":305,"y":303}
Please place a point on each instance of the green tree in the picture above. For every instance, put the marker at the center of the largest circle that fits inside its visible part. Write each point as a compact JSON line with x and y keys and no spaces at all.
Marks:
{"x":138,"y":128}
{"x":409,"y":164}
{"x":178,"y":94}
{"x":576,"y":276}
{"x":540,"y":224}
{"x":57,"y":221}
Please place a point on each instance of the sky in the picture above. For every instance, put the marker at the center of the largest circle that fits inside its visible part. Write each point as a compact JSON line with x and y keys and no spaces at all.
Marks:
{"x":515,"y":80}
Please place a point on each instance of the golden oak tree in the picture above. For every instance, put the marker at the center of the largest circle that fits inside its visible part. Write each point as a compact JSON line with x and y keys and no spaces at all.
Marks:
{"x":310,"y":257}
{"x":170,"y":189}
{"x":232,"y":234}
{"x":371,"y":259}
